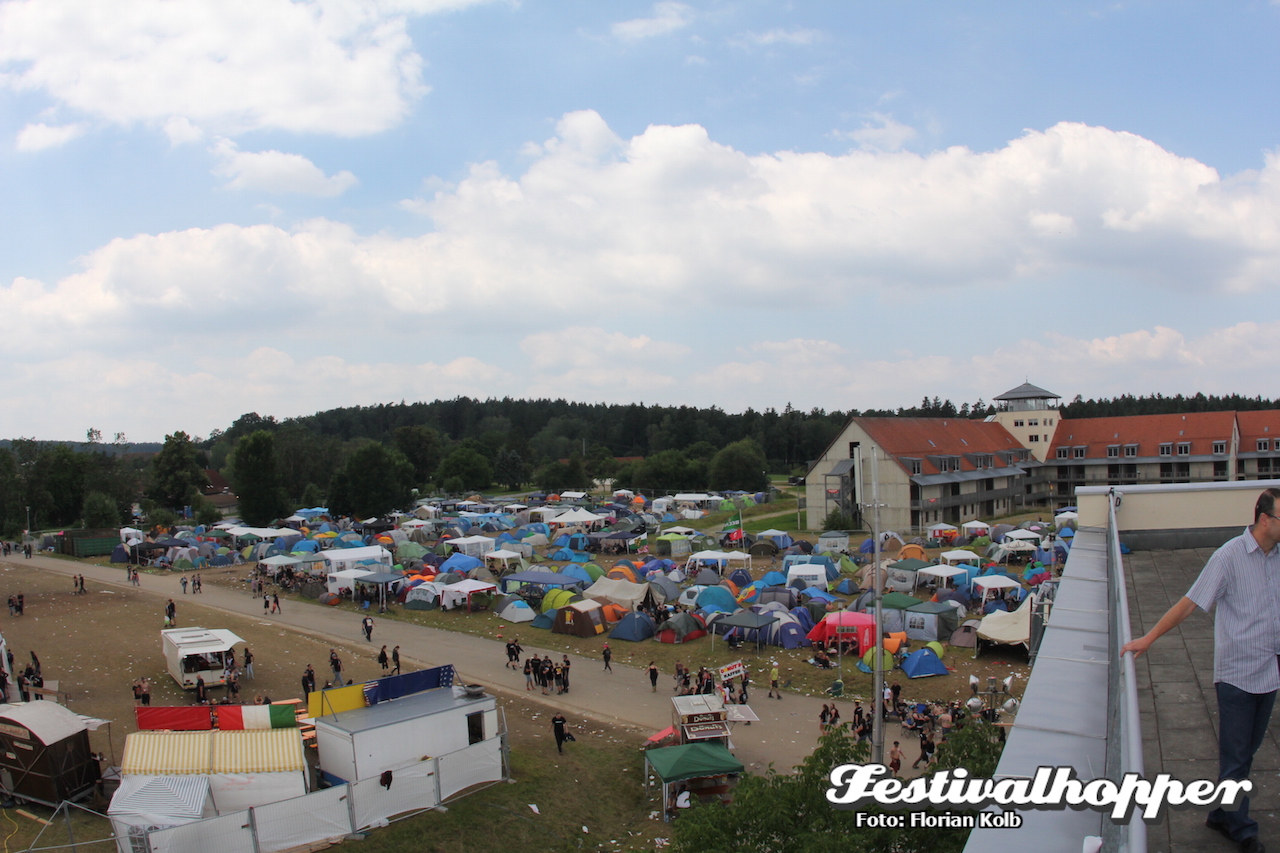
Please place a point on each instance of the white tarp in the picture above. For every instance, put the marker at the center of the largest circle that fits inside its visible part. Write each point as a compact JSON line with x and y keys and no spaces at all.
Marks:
{"x":942,"y":573}
{"x":959,"y":555}
{"x":339,"y":559}
{"x":1008,"y":627}
{"x":617,"y":591}
{"x":346,"y":579}
{"x":455,"y":594}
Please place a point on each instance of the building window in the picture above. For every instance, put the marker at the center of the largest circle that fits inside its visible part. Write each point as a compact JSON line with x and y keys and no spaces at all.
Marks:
{"x":1048,"y":421}
{"x":913,"y":465}
{"x":1033,"y":422}
{"x":1184,"y":448}
{"x":1264,"y":444}
{"x":1064,"y":452}
{"x":1113,"y":451}
{"x":1220,"y":469}
{"x":1078,"y":452}
{"x":1166,"y":449}
{"x":1220,"y":447}
{"x":1131,"y":450}
{"x":1033,"y":438}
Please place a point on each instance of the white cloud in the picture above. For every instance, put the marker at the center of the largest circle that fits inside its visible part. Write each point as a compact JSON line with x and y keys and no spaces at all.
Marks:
{"x":277,"y":172}
{"x":707,"y":275}
{"x":791,"y":37}
{"x":39,"y":136}
{"x":339,"y":67}
{"x":667,"y":17}
{"x":881,"y":133}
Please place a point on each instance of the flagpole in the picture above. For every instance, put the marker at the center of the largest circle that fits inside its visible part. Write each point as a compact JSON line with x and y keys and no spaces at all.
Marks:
{"x":882,"y":715}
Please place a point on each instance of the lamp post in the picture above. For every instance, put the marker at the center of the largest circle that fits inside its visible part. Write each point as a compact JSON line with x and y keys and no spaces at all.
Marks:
{"x":987,"y":703}
{"x":28,"y":521}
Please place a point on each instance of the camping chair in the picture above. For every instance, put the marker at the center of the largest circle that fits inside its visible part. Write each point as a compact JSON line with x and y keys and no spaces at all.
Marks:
{"x":836,"y":689}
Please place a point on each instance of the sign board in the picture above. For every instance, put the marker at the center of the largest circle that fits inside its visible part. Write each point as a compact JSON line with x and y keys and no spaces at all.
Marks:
{"x":732,"y":670}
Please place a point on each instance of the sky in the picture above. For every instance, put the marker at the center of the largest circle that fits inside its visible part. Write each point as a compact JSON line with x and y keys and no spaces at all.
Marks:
{"x":214,"y":207}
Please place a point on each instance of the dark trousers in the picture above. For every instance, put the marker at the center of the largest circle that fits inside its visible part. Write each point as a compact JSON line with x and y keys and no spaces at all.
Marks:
{"x":1242,"y":725}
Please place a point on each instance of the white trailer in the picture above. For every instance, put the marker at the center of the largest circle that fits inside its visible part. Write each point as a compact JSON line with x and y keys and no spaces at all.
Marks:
{"x":191,"y":653}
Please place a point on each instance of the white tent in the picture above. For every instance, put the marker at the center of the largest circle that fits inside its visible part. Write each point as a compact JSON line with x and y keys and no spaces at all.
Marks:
{"x":617,"y":591}
{"x":456,"y":594}
{"x":339,"y":559}
{"x":473,"y":546}
{"x":144,"y":803}
{"x":975,"y":528}
{"x":502,"y":560}
{"x":577,"y":516}
{"x":721,"y":561}
{"x":941,"y":573}
{"x":1022,"y":534}
{"x":993,"y":584}
{"x":345,"y":579}
{"x":957,"y":556}
{"x":1008,"y":627}
{"x":940,"y":527}
{"x":814,"y":575}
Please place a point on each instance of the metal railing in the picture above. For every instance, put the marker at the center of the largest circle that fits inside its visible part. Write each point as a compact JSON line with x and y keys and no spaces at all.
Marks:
{"x":1124,"y":723}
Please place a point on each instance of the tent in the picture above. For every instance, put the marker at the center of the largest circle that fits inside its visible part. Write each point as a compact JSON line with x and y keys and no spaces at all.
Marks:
{"x":812,"y":574}
{"x":44,"y":752}
{"x":540,"y":578}
{"x":957,"y":556}
{"x":516,"y":610}
{"x":682,"y":628}
{"x":1008,"y":628}
{"x":145,"y":803}
{"x":673,"y":764}
{"x":746,"y":621}
{"x":922,"y":663}
{"x":931,"y":620}
{"x":464,"y":592}
{"x":557,"y":598}
{"x":832,"y":540}
{"x":893,"y":606}
{"x":337,"y":560}
{"x":580,"y":619}
{"x":716,"y":598}
{"x":966,"y":636}
{"x":621,"y":592}
{"x":941,"y":574}
{"x":846,"y":626}
{"x":249,"y":767}
{"x":634,"y":627}
{"x":989,"y":584}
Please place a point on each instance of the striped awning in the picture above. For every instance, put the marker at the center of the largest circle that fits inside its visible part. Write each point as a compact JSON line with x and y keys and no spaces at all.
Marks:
{"x":177,"y":753}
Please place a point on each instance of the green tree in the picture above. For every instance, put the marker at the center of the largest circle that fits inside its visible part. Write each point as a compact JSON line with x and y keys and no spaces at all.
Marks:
{"x":740,"y":465}
{"x":374,"y":481}
{"x":175,"y":476}
{"x":837,"y":519}
{"x":469,"y":465}
{"x":100,"y":510}
{"x":256,"y":480}
{"x":789,"y":813}
{"x":423,"y":447}
{"x":510,"y":469}
{"x":205,"y":512}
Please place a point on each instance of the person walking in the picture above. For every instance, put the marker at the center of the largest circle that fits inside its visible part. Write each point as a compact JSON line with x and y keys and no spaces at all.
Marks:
{"x":170,"y":614}
{"x":335,"y":664}
{"x":383,"y":660}
{"x":653,"y":677}
{"x":395,"y":661}
{"x":308,"y":681}
{"x":607,"y":654}
{"x":528,"y":674}
{"x":895,"y":758}
{"x":366,"y":624}
{"x":248,"y":663}
{"x":558,"y":723}
{"x":184,"y":584}
{"x":824,"y":716}
{"x":1239,"y":584}
{"x":565,"y":667}
{"x":773,"y":682}
{"x":266,"y":605}
{"x":275,"y":602}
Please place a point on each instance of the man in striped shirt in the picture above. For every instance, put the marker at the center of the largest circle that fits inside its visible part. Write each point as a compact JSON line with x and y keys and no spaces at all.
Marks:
{"x":1242,"y":581}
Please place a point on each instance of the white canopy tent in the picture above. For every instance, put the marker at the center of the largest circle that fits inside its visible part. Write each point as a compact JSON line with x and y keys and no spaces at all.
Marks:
{"x":957,"y":556}
{"x":940,"y":573}
{"x":993,"y":584}
{"x":458,"y":594}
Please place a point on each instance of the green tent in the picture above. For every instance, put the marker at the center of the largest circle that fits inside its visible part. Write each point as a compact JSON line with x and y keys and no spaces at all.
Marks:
{"x":898,"y":601}
{"x":690,"y":761}
{"x":557,"y":598}
{"x":910,"y":564}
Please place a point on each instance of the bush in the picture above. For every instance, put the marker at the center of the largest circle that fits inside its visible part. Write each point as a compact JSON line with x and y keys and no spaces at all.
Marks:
{"x":837,"y":520}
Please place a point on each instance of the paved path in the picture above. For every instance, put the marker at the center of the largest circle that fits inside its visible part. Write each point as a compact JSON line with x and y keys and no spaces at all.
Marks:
{"x":786,"y":733}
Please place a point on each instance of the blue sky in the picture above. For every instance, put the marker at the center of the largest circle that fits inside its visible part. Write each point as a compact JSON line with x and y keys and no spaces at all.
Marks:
{"x":221,"y":207}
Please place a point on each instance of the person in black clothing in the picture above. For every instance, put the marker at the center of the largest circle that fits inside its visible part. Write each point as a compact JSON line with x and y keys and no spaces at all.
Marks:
{"x":607,"y":654}
{"x":395,"y":661}
{"x":557,"y":725}
{"x":565,"y":667}
{"x":383,"y":660}
{"x":202,"y":693}
{"x":308,"y":681}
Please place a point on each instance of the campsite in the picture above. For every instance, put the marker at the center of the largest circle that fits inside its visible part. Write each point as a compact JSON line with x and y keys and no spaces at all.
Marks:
{"x":581,"y":637}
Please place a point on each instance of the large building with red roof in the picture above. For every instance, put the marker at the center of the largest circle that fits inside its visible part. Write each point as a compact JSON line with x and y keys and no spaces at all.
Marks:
{"x":928,"y":470}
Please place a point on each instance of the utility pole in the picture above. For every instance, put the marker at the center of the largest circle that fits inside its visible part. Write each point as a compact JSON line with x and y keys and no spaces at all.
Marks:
{"x":877,"y":730}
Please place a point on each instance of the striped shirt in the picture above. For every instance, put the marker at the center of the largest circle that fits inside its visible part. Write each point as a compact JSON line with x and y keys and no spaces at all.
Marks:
{"x":1243,"y":582}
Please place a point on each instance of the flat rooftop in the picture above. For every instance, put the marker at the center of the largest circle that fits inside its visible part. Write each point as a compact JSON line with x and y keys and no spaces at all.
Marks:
{"x":1179,"y":707}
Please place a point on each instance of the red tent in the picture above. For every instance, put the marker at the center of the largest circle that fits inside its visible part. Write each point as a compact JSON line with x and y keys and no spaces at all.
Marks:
{"x":854,"y":626}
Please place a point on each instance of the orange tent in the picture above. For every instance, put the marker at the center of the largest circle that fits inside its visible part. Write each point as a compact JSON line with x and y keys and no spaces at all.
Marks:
{"x":622,"y":573}
{"x":912,"y":551}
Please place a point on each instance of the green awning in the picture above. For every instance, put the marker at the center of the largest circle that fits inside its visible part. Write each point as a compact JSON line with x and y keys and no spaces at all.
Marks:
{"x":692,"y":761}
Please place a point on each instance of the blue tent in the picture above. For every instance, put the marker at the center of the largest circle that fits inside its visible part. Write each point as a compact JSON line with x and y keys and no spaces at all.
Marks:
{"x":579,"y":573}
{"x":788,"y":635}
{"x":120,"y":554}
{"x":867,"y":547}
{"x":815,"y":594}
{"x":740,"y":577}
{"x":774,"y":579}
{"x":717,"y":598}
{"x":460,"y":562}
{"x":848,"y":586}
{"x":545,"y":621}
{"x":923,"y":662}
{"x":635,"y":627}
{"x":308,"y":545}
{"x":804,"y":617}
{"x":562,"y":554}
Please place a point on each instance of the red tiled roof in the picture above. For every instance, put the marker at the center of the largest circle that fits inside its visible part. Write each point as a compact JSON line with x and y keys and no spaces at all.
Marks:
{"x":1147,"y":431}
{"x":1256,"y":425}
{"x":920,"y":438}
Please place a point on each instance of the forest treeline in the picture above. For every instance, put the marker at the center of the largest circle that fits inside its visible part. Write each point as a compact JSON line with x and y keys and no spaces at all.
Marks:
{"x":368,"y":459}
